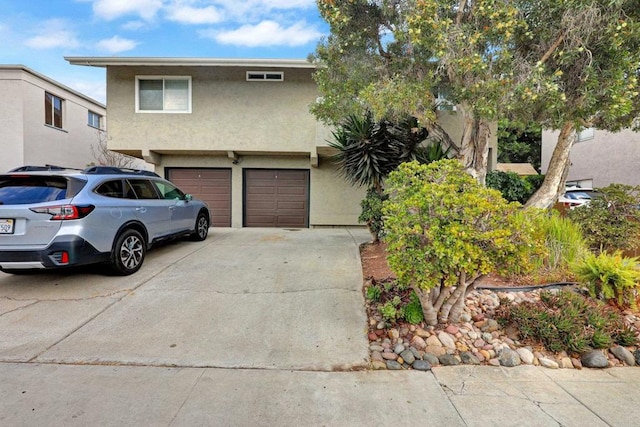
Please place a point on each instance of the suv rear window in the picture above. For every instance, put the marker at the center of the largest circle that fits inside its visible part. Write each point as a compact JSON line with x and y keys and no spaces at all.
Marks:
{"x":26,"y":189}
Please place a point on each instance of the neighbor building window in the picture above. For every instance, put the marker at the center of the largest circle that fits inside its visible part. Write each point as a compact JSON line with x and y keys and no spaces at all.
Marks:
{"x":163,"y":94}
{"x":585,"y":134}
{"x":53,"y":110}
{"x":95,"y":120}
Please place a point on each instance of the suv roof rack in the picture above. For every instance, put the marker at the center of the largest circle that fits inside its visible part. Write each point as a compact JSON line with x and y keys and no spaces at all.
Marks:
{"x":95,"y":170}
{"x":36,"y":168}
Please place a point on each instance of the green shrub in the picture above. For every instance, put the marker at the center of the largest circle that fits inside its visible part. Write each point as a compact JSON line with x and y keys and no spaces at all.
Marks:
{"x":444,"y":229}
{"x":610,"y":277}
{"x":611,"y":222}
{"x":372,"y":213}
{"x":567,"y":321}
{"x":510,"y":184}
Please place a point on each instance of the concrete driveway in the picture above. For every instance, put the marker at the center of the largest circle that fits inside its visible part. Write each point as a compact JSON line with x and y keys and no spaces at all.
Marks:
{"x":253,"y":327}
{"x":246,"y":298}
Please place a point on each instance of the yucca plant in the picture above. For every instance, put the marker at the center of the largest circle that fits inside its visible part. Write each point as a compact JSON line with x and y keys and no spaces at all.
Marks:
{"x":611,"y":277}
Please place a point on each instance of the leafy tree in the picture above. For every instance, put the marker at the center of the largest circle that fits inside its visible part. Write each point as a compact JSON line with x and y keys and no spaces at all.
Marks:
{"x":519,"y":142}
{"x":581,"y":62}
{"x":444,"y":230}
{"x":563,"y":64}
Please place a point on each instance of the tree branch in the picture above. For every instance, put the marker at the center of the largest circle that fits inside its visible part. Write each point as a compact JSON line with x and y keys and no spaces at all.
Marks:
{"x":552,"y":48}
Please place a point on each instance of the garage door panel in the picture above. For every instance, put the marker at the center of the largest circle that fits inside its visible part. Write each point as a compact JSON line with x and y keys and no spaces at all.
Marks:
{"x":276,"y":198}
{"x":213,"y":186}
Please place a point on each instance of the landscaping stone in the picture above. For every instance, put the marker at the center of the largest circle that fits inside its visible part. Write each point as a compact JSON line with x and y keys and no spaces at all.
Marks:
{"x":448,"y":360}
{"x":509,"y":358}
{"x":435,"y":350}
{"x":408,"y":356}
{"x":636,"y":354}
{"x":594,"y":359}
{"x":376,"y":347}
{"x":399,"y":348}
{"x":468,"y":358}
{"x":566,"y":363}
{"x":490,"y":325}
{"x":433,"y":360}
{"x":376,"y":356}
{"x":447,"y":340}
{"x":392,"y":365}
{"x":433,"y":341}
{"x":418,"y":342}
{"x":548,"y":363}
{"x":389,"y":356}
{"x":623,"y":355}
{"x":393,"y":334}
{"x":421,"y":365}
{"x":378,"y":365}
{"x":526,"y":356}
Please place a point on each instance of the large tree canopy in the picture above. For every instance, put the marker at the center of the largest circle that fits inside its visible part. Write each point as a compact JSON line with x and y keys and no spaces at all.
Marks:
{"x":564,"y":63}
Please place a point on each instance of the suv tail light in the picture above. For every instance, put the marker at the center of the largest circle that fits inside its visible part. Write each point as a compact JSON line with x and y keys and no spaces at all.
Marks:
{"x":65,"y":212}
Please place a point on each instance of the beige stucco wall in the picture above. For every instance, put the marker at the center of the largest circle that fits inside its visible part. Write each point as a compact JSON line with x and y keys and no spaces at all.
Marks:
{"x":27,"y":139}
{"x":609,"y":157}
{"x":228,"y":113}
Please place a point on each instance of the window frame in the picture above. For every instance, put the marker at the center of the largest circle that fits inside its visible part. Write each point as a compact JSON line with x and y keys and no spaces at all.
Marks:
{"x":163,"y":79}
{"x":52,"y":112}
{"x":100,"y":119}
{"x":585,"y":134}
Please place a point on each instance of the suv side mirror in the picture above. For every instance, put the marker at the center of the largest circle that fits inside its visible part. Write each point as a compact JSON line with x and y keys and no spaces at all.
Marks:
{"x":188,"y":197}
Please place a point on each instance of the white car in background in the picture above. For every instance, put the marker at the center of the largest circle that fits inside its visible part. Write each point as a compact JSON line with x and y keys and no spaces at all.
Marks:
{"x":576,"y":196}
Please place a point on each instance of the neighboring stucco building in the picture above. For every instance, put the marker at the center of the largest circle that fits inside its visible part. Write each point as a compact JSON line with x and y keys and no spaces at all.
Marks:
{"x":44,"y":122}
{"x":598,"y":158}
{"x":236,"y":133}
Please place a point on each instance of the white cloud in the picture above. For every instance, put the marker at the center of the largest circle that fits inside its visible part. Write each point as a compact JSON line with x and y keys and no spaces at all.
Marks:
{"x":266,"y":33}
{"x":194,"y":15}
{"x":112,"y":9}
{"x":51,"y":34}
{"x":133,"y":25}
{"x":116,"y":44}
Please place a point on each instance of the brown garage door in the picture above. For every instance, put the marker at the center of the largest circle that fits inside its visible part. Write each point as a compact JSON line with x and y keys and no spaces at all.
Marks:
{"x":210,"y":185}
{"x":276,"y":198}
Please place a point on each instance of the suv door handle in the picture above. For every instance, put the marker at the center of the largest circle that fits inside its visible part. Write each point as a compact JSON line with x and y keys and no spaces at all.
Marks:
{"x":141,"y":209}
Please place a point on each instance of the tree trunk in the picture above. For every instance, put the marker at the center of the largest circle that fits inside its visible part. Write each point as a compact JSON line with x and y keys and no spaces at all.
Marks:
{"x":554,"y":178}
{"x":429,"y":313}
{"x":474,"y":145}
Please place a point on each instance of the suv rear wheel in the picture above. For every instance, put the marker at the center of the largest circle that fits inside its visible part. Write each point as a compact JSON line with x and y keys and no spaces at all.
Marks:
{"x":128,"y":253}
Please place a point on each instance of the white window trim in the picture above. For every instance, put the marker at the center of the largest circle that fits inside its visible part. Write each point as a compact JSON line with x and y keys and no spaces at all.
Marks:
{"x":264,"y":74}
{"x":100,"y":120}
{"x":585,"y":134}
{"x":187,"y":78}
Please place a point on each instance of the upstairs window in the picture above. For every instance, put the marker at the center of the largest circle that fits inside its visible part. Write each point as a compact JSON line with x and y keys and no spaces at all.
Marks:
{"x":163,"y":94}
{"x":585,"y":134}
{"x":53,"y":110}
{"x":95,"y":120}
{"x":265,"y":76}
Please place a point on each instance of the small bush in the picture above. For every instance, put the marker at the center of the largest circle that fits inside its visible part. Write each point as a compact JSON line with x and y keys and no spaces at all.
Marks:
{"x":513,"y":187}
{"x":611,"y":222}
{"x":567,"y":321}
{"x":372,"y":213}
{"x":610,"y":277}
{"x":391,"y":311}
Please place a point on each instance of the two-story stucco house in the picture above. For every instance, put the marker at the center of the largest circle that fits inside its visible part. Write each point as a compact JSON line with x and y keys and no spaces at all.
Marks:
{"x":44,"y":122}
{"x":236,"y":133}
{"x":598,"y":157}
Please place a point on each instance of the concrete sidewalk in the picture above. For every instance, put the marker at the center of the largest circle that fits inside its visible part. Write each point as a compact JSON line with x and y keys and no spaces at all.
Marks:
{"x":254,"y":327}
{"x":70,"y":395}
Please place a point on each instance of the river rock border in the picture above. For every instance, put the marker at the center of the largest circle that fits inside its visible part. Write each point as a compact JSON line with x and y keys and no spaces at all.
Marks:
{"x":479,"y":340}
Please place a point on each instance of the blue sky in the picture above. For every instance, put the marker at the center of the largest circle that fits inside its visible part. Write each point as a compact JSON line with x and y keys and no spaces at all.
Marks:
{"x":39,"y":33}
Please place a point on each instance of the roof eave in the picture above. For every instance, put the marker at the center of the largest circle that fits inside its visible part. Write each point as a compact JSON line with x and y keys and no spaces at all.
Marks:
{"x":103,"y":62}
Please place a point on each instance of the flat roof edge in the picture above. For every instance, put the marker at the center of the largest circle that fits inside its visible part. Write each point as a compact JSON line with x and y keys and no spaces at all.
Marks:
{"x":93,"y":61}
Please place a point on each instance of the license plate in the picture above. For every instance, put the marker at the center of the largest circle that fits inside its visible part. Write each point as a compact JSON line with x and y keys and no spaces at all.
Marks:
{"x":6,"y":226}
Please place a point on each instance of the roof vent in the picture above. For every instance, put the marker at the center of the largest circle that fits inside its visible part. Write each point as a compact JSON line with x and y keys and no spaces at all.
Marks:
{"x":265,"y":76}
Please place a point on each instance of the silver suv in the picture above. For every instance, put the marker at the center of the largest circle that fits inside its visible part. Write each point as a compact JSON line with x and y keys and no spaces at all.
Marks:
{"x":61,"y":217}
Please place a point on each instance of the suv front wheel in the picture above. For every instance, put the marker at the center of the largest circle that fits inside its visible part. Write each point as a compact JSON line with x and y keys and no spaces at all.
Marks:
{"x":202,"y":227}
{"x":128,"y":253}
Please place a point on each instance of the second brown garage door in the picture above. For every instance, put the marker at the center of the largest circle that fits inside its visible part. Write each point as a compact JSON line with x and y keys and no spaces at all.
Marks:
{"x":213,"y":186}
{"x":276,"y":198}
